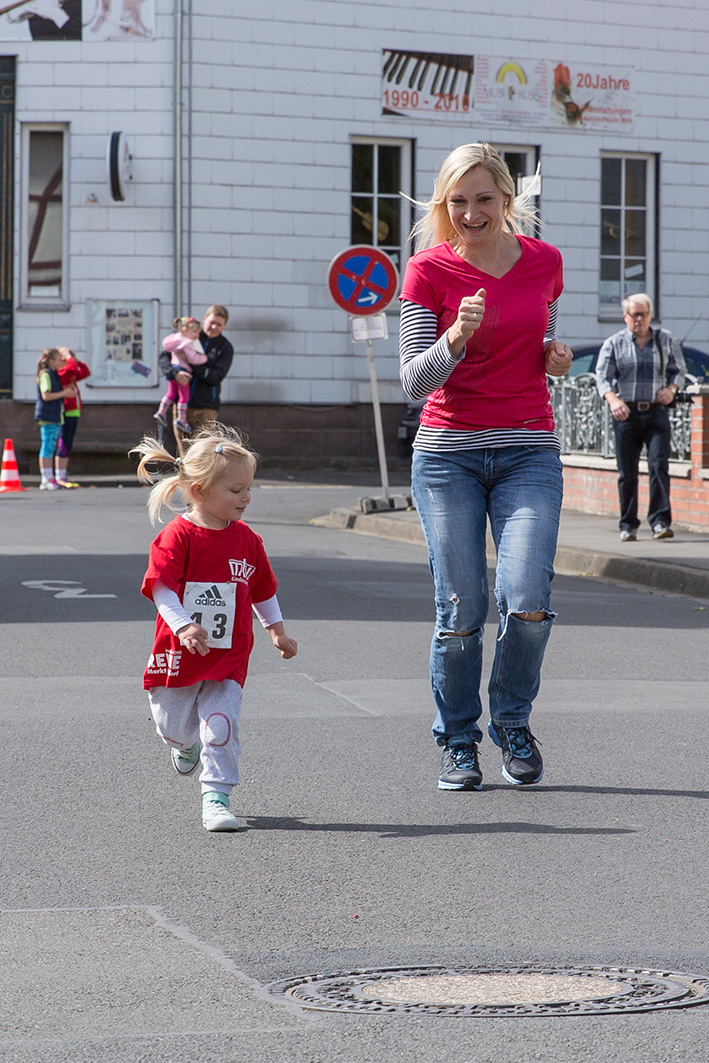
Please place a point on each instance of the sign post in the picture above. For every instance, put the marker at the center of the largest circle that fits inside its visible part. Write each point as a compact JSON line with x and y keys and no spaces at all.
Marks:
{"x":356,"y":333}
{"x":363,"y":280}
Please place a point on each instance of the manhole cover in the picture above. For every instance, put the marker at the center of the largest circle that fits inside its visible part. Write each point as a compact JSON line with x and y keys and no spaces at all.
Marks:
{"x":496,"y":990}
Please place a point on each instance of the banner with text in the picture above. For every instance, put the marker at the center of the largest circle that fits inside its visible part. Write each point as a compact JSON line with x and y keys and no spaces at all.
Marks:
{"x":504,"y":91}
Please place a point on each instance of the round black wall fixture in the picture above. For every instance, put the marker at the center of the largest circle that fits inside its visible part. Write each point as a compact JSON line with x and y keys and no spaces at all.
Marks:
{"x":119,"y":159}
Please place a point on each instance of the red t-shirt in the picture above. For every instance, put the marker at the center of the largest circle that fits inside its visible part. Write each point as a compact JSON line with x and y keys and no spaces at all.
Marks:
{"x":501,"y":380}
{"x":217,"y":575}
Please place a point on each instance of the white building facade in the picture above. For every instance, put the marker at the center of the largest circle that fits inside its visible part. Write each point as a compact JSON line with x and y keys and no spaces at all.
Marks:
{"x":155,"y":162}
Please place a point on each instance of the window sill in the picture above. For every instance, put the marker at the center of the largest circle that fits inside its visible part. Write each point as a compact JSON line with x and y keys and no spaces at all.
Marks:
{"x":44,"y":307}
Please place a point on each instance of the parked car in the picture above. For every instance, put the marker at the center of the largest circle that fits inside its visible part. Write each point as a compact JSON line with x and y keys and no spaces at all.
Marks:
{"x":697,"y":361}
{"x":408,"y":427}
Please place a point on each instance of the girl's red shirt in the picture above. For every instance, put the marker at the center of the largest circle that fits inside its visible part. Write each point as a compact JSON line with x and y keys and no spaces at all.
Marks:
{"x":184,"y":552}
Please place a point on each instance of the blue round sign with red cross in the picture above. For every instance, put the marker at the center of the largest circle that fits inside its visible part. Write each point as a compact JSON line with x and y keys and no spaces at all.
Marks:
{"x":362,"y":280}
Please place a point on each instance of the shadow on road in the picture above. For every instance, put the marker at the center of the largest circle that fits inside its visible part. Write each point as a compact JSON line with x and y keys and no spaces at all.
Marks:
{"x":418,"y":830}
{"x":623,"y":791}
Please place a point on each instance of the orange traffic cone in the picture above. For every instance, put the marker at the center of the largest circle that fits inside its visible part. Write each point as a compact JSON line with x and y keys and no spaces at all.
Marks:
{"x":9,"y":476}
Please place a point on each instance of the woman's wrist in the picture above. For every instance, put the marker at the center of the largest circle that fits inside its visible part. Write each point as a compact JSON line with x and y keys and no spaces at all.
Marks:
{"x":456,"y":344}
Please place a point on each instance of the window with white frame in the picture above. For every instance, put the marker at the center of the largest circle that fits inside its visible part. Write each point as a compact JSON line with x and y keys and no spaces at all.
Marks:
{"x":380,"y":216}
{"x":628,"y":224}
{"x":43,"y":274}
{"x":522,"y":163}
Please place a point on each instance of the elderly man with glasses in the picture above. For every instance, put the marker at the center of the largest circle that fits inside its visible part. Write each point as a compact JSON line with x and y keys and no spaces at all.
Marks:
{"x":639,"y":372}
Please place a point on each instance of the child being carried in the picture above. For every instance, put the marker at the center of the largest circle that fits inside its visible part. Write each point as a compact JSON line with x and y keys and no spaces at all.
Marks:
{"x":185,"y":351}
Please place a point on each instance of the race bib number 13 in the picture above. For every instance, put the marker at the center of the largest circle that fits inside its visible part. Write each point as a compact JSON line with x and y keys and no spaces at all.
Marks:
{"x":213,"y":605}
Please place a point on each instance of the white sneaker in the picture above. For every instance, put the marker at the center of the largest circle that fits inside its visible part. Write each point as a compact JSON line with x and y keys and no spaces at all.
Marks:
{"x":216,"y":814}
{"x":49,"y":485}
{"x":662,"y":531}
{"x":184,"y":761}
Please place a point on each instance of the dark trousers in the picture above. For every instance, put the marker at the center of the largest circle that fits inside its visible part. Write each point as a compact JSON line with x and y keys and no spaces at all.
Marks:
{"x":651,"y":427}
{"x":66,"y":437}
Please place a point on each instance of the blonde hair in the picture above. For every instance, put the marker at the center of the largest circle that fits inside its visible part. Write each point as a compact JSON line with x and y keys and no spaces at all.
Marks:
{"x":180,"y":322}
{"x":205,"y":459}
{"x":435,"y":225}
{"x":44,"y":359}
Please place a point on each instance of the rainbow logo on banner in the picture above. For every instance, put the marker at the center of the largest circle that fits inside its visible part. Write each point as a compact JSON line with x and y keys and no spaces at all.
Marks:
{"x":511,"y":68}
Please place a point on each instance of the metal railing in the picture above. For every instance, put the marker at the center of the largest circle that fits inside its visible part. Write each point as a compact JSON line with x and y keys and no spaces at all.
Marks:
{"x":585,"y":426}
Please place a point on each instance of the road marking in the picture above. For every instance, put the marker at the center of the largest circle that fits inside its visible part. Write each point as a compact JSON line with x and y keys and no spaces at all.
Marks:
{"x":63,"y":588}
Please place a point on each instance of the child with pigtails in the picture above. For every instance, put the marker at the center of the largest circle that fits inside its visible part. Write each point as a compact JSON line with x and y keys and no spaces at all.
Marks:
{"x":207,"y":570}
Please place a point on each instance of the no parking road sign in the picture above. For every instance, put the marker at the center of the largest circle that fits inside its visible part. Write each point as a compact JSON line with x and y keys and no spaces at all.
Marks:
{"x":362,"y":280}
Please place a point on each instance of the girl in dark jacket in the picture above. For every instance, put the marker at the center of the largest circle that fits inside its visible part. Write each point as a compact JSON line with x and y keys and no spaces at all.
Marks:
{"x":49,"y":413}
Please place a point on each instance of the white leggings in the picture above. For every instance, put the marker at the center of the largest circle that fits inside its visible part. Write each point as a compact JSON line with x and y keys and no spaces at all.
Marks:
{"x":208,"y":711}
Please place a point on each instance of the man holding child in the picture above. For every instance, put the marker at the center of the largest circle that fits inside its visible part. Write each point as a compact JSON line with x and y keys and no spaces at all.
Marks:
{"x":206,"y":379}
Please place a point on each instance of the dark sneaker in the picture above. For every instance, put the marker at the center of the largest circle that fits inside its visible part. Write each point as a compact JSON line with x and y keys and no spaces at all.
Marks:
{"x":161,"y":418}
{"x":662,"y":531}
{"x":521,"y":760}
{"x":460,"y":769}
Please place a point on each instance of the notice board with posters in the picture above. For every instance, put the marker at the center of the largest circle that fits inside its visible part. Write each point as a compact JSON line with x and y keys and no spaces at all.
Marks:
{"x":122,"y":342}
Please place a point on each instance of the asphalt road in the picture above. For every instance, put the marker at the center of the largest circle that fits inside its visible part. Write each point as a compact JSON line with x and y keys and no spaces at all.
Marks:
{"x":129,"y":933}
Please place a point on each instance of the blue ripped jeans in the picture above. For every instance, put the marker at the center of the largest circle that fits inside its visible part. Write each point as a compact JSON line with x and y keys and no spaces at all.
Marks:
{"x":520,"y":490}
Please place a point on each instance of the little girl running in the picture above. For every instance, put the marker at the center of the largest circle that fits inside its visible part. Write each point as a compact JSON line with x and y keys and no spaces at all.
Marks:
{"x":207,"y":570}
{"x":185,"y":350}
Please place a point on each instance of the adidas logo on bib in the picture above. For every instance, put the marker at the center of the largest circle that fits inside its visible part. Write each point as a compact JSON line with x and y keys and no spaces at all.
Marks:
{"x":211,"y":597}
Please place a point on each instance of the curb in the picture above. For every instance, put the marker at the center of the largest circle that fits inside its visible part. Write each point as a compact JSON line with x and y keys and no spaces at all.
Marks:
{"x":118,"y":480}
{"x":379,"y":524}
{"x":569,"y":560}
{"x":676,"y":579}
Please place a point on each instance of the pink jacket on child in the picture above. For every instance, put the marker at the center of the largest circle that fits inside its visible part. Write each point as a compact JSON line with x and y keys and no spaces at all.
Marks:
{"x":183,"y":351}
